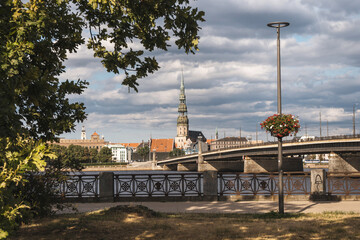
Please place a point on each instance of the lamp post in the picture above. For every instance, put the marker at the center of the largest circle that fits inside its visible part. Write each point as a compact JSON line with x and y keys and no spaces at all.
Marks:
{"x":354,"y":108}
{"x":279,"y":25}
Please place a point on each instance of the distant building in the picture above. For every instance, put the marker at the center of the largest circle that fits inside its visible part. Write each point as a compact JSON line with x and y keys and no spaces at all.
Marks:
{"x":182,"y":120}
{"x":161,"y":145}
{"x":228,"y":142}
{"x":185,"y":137}
{"x":83,"y":133}
{"x":133,"y":146}
{"x":120,"y":153}
{"x":194,"y":147}
{"x":95,"y":141}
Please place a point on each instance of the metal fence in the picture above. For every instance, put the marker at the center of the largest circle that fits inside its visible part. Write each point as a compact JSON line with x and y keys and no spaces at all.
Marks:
{"x":346,"y":183}
{"x":158,"y":185}
{"x":192,"y":184}
{"x":252,"y":184}
{"x":79,"y":186}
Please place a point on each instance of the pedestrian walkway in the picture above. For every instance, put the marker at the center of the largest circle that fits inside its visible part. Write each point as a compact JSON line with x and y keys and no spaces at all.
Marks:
{"x":229,"y":207}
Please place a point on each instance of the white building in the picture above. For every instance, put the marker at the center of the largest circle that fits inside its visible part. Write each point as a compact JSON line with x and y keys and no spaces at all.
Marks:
{"x":120,"y":153}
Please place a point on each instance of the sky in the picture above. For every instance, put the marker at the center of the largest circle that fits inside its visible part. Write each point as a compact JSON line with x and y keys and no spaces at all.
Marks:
{"x":230,"y":83}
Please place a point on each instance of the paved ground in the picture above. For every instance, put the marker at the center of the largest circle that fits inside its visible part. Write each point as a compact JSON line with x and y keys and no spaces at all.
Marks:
{"x":230,"y":207}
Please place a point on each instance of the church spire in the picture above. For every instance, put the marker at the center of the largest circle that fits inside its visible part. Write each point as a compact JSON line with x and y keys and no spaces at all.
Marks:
{"x":182,"y":85}
{"x":182,"y":98}
{"x":182,"y":120}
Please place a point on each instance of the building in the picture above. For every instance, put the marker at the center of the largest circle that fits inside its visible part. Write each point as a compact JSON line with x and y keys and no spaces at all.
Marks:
{"x":120,"y":153}
{"x":94,"y":142}
{"x":83,"y":133}
{"x":194,"y":147}
{"x":185,"y":137}
{"x":133,"y":146}
{"x":161,"y":145}
{"x":182,"y":120}
{"x":228,"y":142}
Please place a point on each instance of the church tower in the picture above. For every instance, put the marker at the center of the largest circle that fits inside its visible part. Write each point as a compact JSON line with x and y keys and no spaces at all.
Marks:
{"x":182,"y":120}
{"x":83,"y":133}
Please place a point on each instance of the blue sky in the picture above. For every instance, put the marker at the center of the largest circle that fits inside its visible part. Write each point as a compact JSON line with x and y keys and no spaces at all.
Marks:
{"x":231,"y":82}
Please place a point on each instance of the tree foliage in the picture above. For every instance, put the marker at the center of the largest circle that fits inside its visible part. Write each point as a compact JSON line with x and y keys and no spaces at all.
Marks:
{"x":105,"y":154}
{"x":72,"y":156}
{"x":176,"y":152}
{"x":143,"y":151}
{"x":152,"y":23}
{"x":36,"y":37}
{"x":19,"y":157}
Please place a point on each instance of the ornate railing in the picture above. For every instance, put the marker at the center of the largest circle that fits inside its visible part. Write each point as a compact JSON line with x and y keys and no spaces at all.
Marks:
{"x":79,"y":186}
{"x":158,"y":185}
{"x":251,"y":184}
{"x":343,"y":183}
{"x":191,"y":184}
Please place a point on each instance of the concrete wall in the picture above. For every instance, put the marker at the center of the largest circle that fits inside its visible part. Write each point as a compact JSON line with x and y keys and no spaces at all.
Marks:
{"x":270,"y":164}
{"x":222,"y":166}
{"x":172,"y":167}
{"x":187,"y":167}
{"x":340,"y":162}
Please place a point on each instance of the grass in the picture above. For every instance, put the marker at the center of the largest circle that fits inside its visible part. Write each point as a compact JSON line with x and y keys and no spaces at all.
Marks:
{"x":138,"y":222}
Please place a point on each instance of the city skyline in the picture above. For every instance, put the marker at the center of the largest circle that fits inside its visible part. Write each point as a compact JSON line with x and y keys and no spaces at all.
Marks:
{"x":231,"y":82}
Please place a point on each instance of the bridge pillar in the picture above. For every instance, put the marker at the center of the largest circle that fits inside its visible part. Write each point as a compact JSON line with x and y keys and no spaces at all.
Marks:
{"x":172,"y":167}
{"x":154,"y":163}
{"x":204,"y":166}
{"x":318,"y":181}
{"x":106,"y":182}
{"x":187,"y":167}
{"x":270,"y":164}
{"x":344,"y":162}
{"x":210,"y":183}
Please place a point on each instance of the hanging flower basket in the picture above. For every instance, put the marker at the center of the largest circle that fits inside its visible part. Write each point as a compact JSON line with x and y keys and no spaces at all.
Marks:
{"x":281,"y":125}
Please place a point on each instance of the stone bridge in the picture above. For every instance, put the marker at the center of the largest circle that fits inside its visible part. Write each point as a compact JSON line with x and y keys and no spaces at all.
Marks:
{"x":344,"y":157}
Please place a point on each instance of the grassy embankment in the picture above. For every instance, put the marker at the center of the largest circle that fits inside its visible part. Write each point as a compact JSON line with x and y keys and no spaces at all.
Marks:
{"x":124,"y":222}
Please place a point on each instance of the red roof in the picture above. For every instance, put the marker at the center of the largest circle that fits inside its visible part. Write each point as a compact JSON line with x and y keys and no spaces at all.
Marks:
{"x":208,"y":141}
{"x":162,"y":145}
{"x":95,"y":134}
{"x":132,"y":145}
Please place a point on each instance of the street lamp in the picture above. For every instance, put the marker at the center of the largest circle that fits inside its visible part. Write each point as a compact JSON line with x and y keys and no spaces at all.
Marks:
{"x":354,"y":108}
{"x":279,"y":25}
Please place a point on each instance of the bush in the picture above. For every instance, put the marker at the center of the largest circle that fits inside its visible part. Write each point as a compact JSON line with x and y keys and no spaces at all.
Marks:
{"x":19,"y":157}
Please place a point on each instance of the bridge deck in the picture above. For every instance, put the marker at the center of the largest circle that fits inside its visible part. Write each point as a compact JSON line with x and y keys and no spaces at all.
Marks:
{"x":269,"y":150}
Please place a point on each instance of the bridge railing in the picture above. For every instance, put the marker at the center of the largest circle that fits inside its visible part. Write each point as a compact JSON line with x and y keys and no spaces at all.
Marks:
{"x":158,"y":185}
{"x":197,"y":185}
{"x":252,"y":184}
{"x":244,"y":145}
{"x":346,"y":183}
{"x":79,"y":186}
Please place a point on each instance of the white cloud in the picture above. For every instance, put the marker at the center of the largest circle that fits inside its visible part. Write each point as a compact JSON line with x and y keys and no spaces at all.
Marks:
{"x":231,"y":82}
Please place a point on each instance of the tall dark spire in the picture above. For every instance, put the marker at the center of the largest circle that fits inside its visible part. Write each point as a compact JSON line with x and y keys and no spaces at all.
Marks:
{"x":182,"y":121}
{"x":182,"y":98}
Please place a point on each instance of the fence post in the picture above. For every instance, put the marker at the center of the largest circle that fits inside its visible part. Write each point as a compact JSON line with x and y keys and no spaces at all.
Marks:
{"x":106,"y":186}
{"x":318,"y":181}
{"x":210,"y":185}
